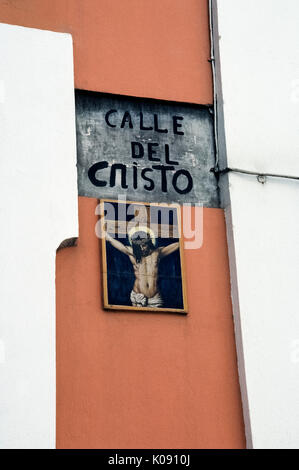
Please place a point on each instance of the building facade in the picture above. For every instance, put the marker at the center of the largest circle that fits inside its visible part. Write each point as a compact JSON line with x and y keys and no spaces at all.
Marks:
{"x":76,"y":375}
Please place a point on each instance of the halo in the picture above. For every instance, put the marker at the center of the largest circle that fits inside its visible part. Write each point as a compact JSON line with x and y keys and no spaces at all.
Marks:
{"x":142,"y":228}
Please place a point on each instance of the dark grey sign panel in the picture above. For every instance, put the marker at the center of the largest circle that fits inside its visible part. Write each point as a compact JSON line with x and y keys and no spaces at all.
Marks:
{"x":145,"y":150}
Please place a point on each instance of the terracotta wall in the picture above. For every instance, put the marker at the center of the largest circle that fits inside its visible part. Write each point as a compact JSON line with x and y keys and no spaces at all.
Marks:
{"x":157,"y":48}
{"x":127,"y":379}
{"x":146,"y":380}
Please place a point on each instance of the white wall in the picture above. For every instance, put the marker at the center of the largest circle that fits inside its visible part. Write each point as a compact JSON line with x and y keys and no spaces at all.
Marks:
{"x":38,"y":210}
{"x":258,"y":52}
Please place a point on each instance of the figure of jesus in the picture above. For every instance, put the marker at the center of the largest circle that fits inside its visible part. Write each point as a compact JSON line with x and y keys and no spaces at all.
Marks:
{"x":145,"y":258}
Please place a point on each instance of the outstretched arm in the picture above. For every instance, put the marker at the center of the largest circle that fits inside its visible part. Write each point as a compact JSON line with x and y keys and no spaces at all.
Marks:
{"x":167,"y":250}
{"x":118,"y":245}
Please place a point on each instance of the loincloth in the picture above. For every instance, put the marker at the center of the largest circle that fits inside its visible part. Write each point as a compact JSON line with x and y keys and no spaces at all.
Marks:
{"x":140,"y":300}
